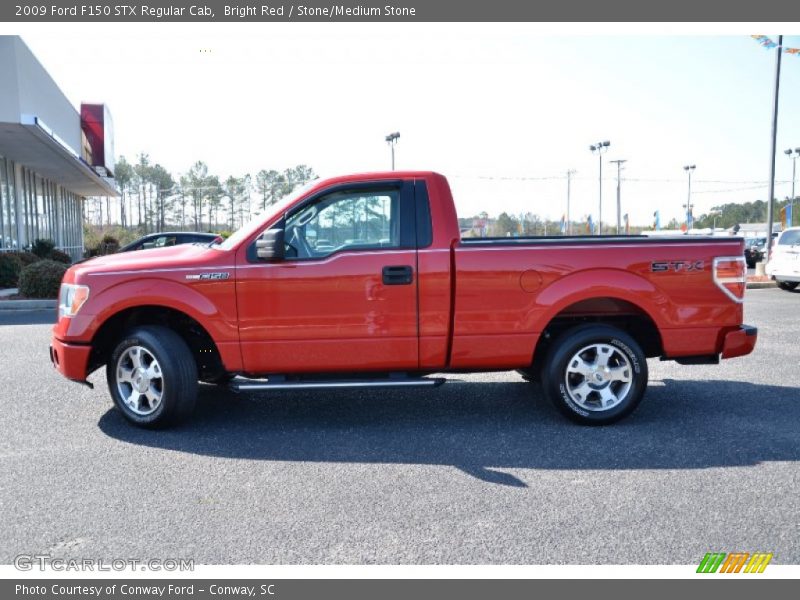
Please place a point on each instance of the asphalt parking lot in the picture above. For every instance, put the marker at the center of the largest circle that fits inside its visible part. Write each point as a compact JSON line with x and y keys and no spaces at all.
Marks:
{"x":479,"y":471}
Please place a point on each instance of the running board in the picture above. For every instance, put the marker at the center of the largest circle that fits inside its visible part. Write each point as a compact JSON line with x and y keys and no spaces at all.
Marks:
{"x":241,"y":384}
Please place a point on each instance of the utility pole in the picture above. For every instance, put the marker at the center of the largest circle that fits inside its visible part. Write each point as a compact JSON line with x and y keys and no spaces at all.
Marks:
{"x":773,"y":144}
{"x":599,"y":148}
{"x":391,"y":139}
{"x":570,"y":173}
{"x":619,"y":164}
{"x":793,"y":154}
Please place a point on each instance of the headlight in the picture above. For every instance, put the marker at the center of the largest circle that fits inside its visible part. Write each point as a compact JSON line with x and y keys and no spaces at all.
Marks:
{"x":70,"y":299}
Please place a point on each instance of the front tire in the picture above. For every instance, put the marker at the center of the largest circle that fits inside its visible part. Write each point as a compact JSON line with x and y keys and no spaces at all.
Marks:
{"x":152,"y":377}
{"x":595,"y":374}
{"x":787,"y":285}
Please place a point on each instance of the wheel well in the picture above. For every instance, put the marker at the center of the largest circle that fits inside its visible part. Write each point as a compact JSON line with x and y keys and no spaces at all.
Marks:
{"x":609,"y":311}
{"x":202,"y":346}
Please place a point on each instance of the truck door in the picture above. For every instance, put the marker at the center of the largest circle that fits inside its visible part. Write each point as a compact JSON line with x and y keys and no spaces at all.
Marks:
{"x":346,"y":292}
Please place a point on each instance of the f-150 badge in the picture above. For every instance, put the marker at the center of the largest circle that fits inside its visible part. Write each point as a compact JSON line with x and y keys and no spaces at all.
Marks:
{"x":676,"y":265}
{"x":208,"y":276}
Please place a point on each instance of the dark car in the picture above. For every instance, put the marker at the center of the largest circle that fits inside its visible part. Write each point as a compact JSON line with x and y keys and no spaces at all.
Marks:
{"x":176,"y":238}
{"x":754,"y":250}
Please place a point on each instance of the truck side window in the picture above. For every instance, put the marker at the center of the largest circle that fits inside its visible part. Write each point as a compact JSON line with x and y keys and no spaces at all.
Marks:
{"x":358,"y":220}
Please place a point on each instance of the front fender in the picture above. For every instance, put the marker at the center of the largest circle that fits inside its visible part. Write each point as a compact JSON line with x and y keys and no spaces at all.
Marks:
{"x":217,"y":317}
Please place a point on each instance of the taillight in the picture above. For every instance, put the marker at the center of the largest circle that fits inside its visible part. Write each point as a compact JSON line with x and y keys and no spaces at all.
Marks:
{"x":730,"y":274}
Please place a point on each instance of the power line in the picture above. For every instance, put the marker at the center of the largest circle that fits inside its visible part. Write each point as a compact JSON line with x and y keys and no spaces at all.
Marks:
{"x":754,"y":182}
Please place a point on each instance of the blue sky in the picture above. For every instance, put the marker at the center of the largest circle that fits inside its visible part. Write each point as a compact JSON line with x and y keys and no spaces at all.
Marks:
{"x":471,"y":101}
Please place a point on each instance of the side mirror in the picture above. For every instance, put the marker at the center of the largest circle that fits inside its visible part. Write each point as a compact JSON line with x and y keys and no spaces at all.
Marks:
{"x":271,"y":245}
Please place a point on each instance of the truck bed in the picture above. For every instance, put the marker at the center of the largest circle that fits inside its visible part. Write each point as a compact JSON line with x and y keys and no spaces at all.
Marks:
{"x":508,"y":291}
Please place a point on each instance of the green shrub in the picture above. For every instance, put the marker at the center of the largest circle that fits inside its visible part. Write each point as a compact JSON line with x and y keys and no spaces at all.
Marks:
{"x":93,"y":234}
{"x":108,"y":245}
{"x":9,"y":270}
{"x":62,"y":257}
{"x":42,"y":248}
{"x":26,"y":258}
{"x":41,"y":279}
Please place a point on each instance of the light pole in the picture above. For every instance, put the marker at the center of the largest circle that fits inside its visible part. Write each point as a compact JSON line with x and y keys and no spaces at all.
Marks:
{"x":570,"y":173}
{"x":619,"y":164}
{"x":688,"y":206}
{"x":793,"y":154}
{"x":598,"y":149}
{"x":391,"y":139}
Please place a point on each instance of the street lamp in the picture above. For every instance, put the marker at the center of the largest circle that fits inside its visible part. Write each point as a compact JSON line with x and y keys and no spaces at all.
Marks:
{"x":598,"y":149}
{"x":773,"y":144}
{"x":714,"y":214}
{"x":619,"y":164}
{"x":793,"y":154}
{"x":391,"y":139}
{"x":688,"y":206}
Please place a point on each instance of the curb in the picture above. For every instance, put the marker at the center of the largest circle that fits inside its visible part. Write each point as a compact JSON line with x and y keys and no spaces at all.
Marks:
{"x":760,"y":285}
{"x":9,"y":305}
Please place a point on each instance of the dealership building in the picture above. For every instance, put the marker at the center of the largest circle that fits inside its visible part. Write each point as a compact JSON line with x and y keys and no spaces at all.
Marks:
{"x":52,"y":156}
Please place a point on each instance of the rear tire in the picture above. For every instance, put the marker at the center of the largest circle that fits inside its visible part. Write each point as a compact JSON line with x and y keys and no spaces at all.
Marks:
{"x":152,"y":377}
{"x":595,"y":374}
{"x":527,"y":374}
{"x":787,"y":285}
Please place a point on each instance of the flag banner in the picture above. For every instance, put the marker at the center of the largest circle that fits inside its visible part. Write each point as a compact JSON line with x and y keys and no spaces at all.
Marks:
{"x":627,"y":225}
{"x":563,"y":224}
{"x":657,"y":221}
{"x":768,"y":43}
{"x":765,"y":41}
{"x":788,"y":215}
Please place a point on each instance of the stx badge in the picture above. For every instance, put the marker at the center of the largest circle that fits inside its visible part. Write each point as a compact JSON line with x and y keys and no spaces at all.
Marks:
{"x":678,"y":266}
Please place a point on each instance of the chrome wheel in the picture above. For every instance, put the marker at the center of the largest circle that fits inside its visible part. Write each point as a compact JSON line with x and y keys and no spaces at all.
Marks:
{"x":140,"y":382}
{"x":598,"y":377}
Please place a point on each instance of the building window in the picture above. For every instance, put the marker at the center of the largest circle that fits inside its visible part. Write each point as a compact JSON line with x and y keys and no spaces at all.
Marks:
{"x":8,"y":221}
{"x":33,"y":207}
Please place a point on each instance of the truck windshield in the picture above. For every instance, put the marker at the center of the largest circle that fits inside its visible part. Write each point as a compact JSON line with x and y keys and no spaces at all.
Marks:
{"x":260,"y":218}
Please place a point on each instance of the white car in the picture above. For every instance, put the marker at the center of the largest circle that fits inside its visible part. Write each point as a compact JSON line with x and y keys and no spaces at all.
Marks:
{"x":784,"y":264}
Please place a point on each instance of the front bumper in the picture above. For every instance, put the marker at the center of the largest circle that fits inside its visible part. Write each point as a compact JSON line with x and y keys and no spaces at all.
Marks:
{"x":739,"y":342}
{"x":70,"y":360}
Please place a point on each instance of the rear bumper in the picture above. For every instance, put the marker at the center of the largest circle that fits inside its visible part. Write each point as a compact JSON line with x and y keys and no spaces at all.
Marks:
{"x":790,"y":277}
{"x":70,"y":360}
{"x":783,"y":270}
{"x":740,"y":341}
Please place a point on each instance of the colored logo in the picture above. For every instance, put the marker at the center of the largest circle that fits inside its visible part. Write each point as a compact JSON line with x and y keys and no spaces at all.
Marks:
{"x":735,"y":562}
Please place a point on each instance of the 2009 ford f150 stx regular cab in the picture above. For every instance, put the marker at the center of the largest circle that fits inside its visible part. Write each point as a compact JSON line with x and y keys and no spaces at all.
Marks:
{"x":364,"y":280}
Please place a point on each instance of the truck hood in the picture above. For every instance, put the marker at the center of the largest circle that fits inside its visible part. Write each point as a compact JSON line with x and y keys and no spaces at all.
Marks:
{"x":185,"y":255}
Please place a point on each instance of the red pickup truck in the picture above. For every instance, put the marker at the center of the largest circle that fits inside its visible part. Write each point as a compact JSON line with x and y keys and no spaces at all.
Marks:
{"x":365,"y":281}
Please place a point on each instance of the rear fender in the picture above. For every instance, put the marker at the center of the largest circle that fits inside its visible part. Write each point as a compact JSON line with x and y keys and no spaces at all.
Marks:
{"x":602,"y":283}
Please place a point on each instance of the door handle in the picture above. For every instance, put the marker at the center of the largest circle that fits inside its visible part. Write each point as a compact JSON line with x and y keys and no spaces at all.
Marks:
{"x":398,"y":275}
